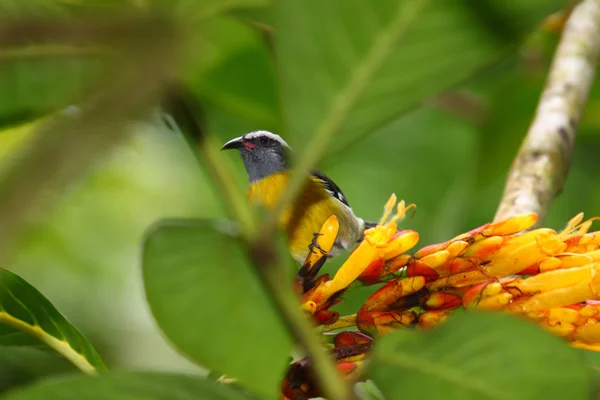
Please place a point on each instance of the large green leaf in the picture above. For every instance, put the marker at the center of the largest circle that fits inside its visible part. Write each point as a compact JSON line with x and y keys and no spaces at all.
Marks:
{"x":357,"y":64}
{"x":232,"y":69}
{"x":27,"y":318}
{"x":479,"y":356}
{"x":200,"y":10}
{"x":128,"y":386}
{"x":39,"y":80}
{"x":24,"y":365}
{"x":210,"y":304}
{"x":39,"y":76}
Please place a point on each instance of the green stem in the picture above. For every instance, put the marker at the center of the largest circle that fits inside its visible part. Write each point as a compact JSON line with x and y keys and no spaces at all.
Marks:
{"x":267,"y":263}
{"x":331,"y":382}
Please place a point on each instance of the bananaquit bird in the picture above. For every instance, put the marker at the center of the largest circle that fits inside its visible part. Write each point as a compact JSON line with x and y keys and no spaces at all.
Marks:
{"x":264,"y":156}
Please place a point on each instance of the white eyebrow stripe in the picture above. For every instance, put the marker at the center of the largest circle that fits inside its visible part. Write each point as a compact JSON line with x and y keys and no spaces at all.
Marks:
{"x":270,"y":135}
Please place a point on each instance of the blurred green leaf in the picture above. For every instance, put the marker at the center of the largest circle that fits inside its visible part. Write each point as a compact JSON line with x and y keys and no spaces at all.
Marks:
{"x":197,"y":10}
{"x":232,"y":69}
{"x":262,"y":18}
{"x":29,"y":319}
{"x":42,"y":79}
{"x":479,"y":356}
{"x":210,"y":304}
{"x":15,"y":8}
{"x":513,"y":99}
{"x":128,"y":386}
{"x":368,"y":391}
{"x":434,"y":170}
{"x":24,"y":365}
{"x":42,"y":69}
{"x":357,"y":64}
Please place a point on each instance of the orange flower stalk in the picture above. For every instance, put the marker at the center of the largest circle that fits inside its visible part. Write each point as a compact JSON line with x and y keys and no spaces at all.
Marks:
{"x":549,"y":277}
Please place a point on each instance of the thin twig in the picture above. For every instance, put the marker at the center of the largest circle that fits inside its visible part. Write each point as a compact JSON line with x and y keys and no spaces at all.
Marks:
{"x":330,"y":381}
{"x":542,"y":163}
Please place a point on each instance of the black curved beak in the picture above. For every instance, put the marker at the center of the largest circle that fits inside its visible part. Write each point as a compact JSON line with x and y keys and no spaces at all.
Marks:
{"x":236,"y":143}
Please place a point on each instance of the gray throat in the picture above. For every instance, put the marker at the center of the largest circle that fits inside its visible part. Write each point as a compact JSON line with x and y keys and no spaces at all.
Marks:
{"x":261,"y":163}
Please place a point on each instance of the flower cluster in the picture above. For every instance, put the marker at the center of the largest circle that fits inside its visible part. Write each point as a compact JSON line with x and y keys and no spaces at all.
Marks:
{"x":546,"y":276}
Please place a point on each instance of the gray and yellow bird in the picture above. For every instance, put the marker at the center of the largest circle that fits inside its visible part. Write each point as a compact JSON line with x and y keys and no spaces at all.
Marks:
{"x":265,"y":157}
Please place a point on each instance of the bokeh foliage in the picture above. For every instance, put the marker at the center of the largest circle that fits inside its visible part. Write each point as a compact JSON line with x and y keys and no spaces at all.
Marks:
{"x":252,"y":65}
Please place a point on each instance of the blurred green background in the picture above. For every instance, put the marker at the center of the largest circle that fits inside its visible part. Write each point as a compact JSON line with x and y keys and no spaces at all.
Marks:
{"x":449,"y":156}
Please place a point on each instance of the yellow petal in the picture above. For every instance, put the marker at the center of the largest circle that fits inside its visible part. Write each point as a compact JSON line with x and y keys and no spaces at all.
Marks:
{"x":559,"y":329}
{"x":562,"y":314}
{"x":556,"y":279}
{"x":325,"y":240}
{"x":355,"y":265}
{"x":550,"y":264}
{"x":588,"y":333}
{"x":457,"y":248}
{"x":564,"y":296}
{"x":406,"y":241}
{"x":582,"y":345}
{"x":575,"y":260}
{"x":511,"y":225}
{"x":436,"y":259}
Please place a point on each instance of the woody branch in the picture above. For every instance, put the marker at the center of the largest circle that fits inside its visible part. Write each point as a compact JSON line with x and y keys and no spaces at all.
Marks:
{"x":542,"y":163}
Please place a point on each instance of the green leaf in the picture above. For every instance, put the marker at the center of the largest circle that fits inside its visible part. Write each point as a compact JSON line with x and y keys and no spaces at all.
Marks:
{"x":233,"y":71}
{"x":37,"y":80}
{"x":515,"y":93}
{"x":198,"y":10}
{"x":29,"y":319}
{"x":40,"y":76}
{"x":128,"y":386}
{"x":357,"y":64}
{"x":210,"y":304}
{"x":479,"y":356}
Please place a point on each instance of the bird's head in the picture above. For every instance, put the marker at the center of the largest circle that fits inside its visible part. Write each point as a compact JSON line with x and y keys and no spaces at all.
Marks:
{"x":263,"y":153}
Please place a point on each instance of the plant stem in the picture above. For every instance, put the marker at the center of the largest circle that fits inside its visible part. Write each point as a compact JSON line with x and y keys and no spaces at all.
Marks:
{"x":267,"y":262}
{"x":331,"y":382}
{"x":543,"y":161}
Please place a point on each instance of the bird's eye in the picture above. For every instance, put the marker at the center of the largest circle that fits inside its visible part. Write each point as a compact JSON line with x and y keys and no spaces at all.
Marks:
{"x":263,"y":140}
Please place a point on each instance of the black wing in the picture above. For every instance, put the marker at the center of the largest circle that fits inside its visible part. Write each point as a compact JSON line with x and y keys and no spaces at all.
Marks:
{"x":330,"y":186}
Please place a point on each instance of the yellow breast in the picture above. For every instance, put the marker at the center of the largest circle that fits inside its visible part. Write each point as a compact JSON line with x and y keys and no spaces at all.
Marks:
{"x":308,"y":213}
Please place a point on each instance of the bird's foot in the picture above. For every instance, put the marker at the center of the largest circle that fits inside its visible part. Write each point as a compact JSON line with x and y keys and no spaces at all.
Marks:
{"x":314,"y":244}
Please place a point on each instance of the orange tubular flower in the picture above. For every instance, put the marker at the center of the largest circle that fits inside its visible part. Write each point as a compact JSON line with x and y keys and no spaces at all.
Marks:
{"x":382,"y":243}
{"x":549,"y":277}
